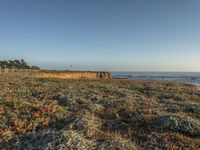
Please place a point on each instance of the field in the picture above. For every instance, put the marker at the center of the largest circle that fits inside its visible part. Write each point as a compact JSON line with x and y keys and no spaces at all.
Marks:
{"x":38,"y":113}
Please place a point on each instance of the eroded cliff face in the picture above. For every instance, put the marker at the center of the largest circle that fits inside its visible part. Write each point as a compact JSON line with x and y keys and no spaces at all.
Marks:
{"x":75,"y":75}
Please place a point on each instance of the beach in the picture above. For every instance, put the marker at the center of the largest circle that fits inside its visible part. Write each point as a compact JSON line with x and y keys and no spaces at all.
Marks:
{"x":49,"y":113}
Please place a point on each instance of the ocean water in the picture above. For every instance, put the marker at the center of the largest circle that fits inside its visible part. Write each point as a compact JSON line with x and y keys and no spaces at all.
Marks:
{"x":183,"y":77}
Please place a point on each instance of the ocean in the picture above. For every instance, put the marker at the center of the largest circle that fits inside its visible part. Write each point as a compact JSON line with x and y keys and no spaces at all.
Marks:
{"x":183,"y":77}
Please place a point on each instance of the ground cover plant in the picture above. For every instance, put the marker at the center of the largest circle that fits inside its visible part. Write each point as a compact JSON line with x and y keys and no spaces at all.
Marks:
{"x":38,"y":113}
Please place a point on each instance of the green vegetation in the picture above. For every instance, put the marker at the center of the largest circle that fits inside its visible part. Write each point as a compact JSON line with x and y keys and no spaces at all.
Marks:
{"x":113,"y":114}
{"x":17,"y":64}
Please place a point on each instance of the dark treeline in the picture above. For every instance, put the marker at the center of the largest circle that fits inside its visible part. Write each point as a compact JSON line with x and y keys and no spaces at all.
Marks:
{"x":17,"y":64}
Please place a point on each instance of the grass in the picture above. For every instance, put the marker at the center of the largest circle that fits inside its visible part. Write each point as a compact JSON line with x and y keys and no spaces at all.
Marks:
{"x":113,"y":114}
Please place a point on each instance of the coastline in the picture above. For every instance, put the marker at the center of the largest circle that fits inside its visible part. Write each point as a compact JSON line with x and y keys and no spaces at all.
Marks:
{"x":167,"y":81}
{"x":180,"y":77}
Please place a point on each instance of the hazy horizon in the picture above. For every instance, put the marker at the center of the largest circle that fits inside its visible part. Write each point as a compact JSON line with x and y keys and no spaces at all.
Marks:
{"x":114,"y":35}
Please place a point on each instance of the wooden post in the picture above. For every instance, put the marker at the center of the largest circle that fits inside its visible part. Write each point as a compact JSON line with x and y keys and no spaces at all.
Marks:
{"x":0,"y":70}
{"x":6,"y":70}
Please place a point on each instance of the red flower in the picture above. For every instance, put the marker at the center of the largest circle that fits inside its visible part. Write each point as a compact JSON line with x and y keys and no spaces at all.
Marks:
{"x":45,"y":122}
{"x":37,"y":114}
{"x":2,"y":111}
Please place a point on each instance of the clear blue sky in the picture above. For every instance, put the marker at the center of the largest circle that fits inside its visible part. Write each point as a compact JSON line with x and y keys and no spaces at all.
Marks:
{"x":124,"y":35}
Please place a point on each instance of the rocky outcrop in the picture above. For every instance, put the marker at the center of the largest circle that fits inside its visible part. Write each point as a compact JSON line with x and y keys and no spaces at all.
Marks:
{"x":75,"y":75}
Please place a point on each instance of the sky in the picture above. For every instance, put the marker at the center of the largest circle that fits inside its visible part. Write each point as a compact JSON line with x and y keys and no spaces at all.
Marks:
{"x":111,"y":35}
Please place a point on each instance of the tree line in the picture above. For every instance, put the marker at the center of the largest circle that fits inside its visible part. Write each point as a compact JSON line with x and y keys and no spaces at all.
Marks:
{"x":17,"y":64}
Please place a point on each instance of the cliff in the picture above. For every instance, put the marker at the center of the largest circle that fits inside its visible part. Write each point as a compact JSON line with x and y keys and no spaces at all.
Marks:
{"x":74,"y":75}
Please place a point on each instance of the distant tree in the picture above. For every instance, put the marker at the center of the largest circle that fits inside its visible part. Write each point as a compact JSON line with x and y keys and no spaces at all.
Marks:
{"x":18,"y":64}
{"x":24,"y":64}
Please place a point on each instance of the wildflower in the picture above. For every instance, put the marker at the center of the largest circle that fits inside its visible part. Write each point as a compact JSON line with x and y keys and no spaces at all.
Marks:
{"x":45,"y":122}
{"x":36,"y":114}
{"x":2,"y":111}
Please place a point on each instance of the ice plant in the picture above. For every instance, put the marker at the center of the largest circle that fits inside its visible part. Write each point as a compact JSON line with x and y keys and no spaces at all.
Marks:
{"x":2,"y":111}
{"x":45,"y":122}
{"x":36,"y":114}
